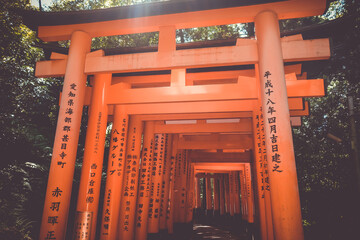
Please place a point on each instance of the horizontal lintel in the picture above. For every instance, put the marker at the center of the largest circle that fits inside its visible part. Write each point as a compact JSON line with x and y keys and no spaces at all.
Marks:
{"x":293,"y":51}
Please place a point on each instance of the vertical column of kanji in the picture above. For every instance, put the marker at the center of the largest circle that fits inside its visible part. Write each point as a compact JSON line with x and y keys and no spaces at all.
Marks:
{"x":259,"y":171}
{"x":157,"y":170}
{"x":216,"y":195}
{"x":177,"y":185}
{"x":141,"y":221}
{"x":190,"y":193}
{"x":243,"y":195}
{"x":87,"y":206}
{"x":249,"y":193}
{"x":282,"y":169}
{"x":91,"y":170}
{"x":221,"y":194}
{"x":198,"y":194}
{"x":170,"y":213}
{"x":58,"y":192}
{"x":269,"y":221}
{"x":209,"y":204}
{"x":115,"y":173}
{"x":183,"y":192}
{"x":237,"y":193}
{"x":165,"y":182}
{"x":131,"y":177}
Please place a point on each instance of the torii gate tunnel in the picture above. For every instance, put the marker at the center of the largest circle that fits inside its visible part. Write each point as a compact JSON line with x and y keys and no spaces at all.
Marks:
{"x":183,"y":119}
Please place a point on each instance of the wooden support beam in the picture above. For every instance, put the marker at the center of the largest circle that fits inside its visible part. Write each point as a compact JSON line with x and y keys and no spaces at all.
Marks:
{"x":219,"y":157}
{"x":190,"y":107}
{"x":216,"y":141}
{"x":195,"y":116}
{"x":244,"y":127}
{"x":155,"y":15}
{"x":217,"y":167}
{"x":293,"y":51}
{"x":304,"y":112}
{"x":241,"y":91}
{"x":200,"y":78}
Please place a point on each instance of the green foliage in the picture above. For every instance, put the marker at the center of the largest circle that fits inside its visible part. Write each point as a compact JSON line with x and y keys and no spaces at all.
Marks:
{"x":27,"y":123}
{"x":326,"y":170}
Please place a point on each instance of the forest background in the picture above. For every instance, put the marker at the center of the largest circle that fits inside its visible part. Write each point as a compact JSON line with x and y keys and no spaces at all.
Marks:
{"x":29,"y":107}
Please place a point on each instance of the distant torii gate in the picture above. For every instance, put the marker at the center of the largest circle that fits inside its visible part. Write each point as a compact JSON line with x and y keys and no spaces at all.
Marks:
{"x":261,"y":100}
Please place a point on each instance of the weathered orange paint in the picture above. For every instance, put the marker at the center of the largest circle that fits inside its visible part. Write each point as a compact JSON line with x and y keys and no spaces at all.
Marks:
{"x":131,"y":176}
{"x":156,"y":179}
{"x":269,"y":220}
{"x":114,"y":176}
{"x":166,"y":182}
{"x":62,"y":166}
{"x":198,"y":202}
{"x":249,"y":193}
{"x":292,"y":9}
{"x":242,"y":107}
{"x":246,"y":53}
{"x":235,"y":92}
{"x":190,"y":194}
{"x":91,"y":170}
{"x":170,"y":214}
{"x":182,"y":187}
{"x":258,"y":163}
{"x":232,"y":193}
{"x":237,"y":206}
{"x":143,"y":199}
{"x":285,"y":200}
{"x":201,"y":78}
{"x":244,"y":202}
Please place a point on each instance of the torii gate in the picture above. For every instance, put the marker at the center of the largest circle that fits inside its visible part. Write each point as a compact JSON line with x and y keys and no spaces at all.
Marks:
{"x":264,"y":94}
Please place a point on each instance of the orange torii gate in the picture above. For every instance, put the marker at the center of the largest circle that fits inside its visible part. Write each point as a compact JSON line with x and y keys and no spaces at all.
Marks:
{"x":269,"y":94}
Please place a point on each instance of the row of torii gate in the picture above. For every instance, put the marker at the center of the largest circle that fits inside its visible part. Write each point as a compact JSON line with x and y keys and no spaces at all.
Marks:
{"x":170,"y":130}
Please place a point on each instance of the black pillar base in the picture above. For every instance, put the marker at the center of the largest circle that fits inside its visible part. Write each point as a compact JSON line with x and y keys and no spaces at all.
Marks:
{"x":209,"y":213}
{"x":164,"y":235}
{"x":183,"y":230}
{"x":153,"y":236}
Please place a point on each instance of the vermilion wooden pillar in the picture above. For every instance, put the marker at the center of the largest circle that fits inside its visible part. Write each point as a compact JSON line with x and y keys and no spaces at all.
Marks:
{"x":131,"y":177}
{"x":249,"y":193}
{"x":231,"y":194}
{"x":209,"y":204}
{"x":237,"y":206}
{"x":170,"y":213}
{"x":115,"y":174}
{"x":244,"y":203}
{"x":166,"y":182}
{"x":91,"y":171}
{"x":177,"y":185}
{"x":58,"y":192}
{"x":190,"y":194}
{"x":269,"y":220}
{"x":142,"y":211}
{"x":258,"y":160}
{"x":157,"y":174}
{"x":183,"y":183}
{"x":227,"y":192}
{"x":198,"y":191}
{"x":282,"y":169}
{"x":216,"y":195}
{"x":221,"y":194}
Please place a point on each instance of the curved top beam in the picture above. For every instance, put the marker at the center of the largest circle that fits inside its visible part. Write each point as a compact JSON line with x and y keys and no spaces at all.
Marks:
{"x":56,"y":26}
